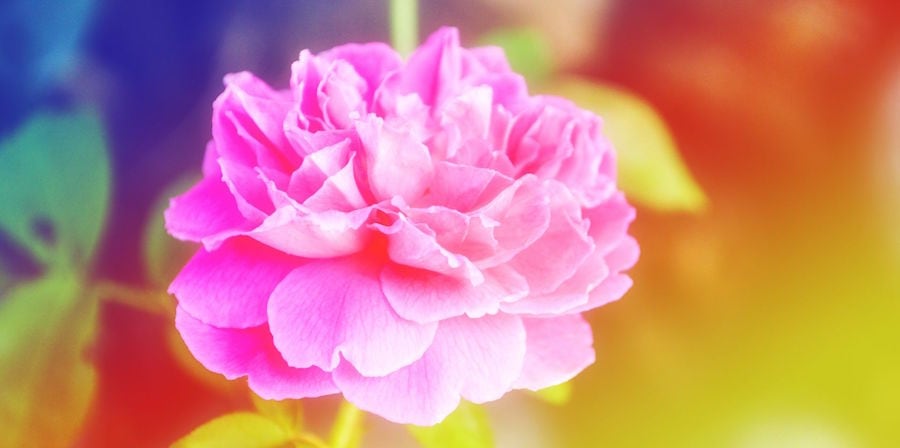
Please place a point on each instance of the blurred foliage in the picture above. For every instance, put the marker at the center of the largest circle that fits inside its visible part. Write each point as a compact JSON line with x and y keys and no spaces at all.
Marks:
{"x":46,"y":327}
{"x":53,"y":205}
{"x":56,"y":181}
{"x":466,"y":427}
{"x":526,"y":50}
{"x":650,"y":169}
{"x":38,"y":40}
{"x":558,"y":395}
{"x":238,"y":430}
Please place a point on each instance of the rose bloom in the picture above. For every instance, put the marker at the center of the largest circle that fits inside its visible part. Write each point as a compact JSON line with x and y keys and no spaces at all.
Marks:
{"x":404,"y":233}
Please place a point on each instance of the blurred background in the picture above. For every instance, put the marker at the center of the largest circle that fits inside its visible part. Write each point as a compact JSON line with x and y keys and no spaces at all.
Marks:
{"x":765,"y":315}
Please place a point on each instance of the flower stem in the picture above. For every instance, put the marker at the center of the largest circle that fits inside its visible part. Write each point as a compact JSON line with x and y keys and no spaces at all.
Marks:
{"x":404,"y":25}
{"x":347,"y":429}
{"x":142,"y":299}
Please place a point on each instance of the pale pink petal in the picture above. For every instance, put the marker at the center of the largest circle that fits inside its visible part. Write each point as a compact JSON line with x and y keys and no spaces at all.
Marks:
{"x":611,"y":289}
{"x":425,"y":296}
{"x":560,"y":251}
{"x":306,"y":74}
{"x":570,"y":294}
{"x":318,"y":166}
{"x":609,"y":222}
{"x":624,"y":256}
{"x":341,"y":95}
{"x":523,"y":213}
{"x":331,"y":308}
{"x":462,"y":187}
{"x":247,"y":188}
{"x":373,"y":62}
{"x":396,"y":163}
{"x":248,"y":122}
{"x":477,"y":359}
{"x":339,"y":192}
{"x":249,"y":352}
{"x":433,"y":70}
{"x":208,"y":208}
{"x":230,"y":286}
{"x":415,"y":245}
{"x":314,"y":235}
{"x":558,"y":348}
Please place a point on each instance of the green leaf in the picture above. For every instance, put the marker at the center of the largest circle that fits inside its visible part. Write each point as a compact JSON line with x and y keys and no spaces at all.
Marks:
{"x":650,"y":169}
{"x":527,"y":51}
{"x":286,"y":413}
{"x":466,"y":427}
{"x":558,"y":395}
{"x":164,"y":256}
{"x":238,"y":430}
{"x":46,"y":328}
{"x":55,"y":188}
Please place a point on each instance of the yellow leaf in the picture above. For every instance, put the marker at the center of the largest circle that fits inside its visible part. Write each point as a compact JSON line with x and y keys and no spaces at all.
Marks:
{"x":238,"y":430}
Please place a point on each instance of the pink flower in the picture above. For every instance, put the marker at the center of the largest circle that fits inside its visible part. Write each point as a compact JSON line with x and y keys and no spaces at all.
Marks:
{"x":403,"y":233}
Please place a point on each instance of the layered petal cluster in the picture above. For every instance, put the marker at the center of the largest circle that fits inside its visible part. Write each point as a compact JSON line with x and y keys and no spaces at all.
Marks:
{"x":405,"y":233}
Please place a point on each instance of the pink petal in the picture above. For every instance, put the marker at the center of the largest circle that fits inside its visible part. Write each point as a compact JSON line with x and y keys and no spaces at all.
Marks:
{"x":338,"y":192}
{"x":611,"y":289}
{"x":397,"y":163}
{"x":523,"y":213}
{"x":248,"y":123}
{"x":462,"y":187}
{"x":609,"y":222}
{"x":476,"y":358}
{"x":415,"y":245}
{"x":248,"y":190}
{"x":433,"y":70}
{"x":314,"y":235}
{"x":373,"y":62}
{"x":249,"y":352}
{"x":558,"y":348}
{"x":424,"y":296}
{"x":207,"y":209}
{"x":570,"y":294}
{"x":341,"y":95}
{"x":230,"y":286}
{"x":332,"y":308}
{"x":561,"y":250}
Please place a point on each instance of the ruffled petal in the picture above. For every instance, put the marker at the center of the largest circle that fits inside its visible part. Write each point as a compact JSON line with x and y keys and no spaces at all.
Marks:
{"x":314,"y":235}
{"x":230,"y":286}
{"x":249,"y":352}
{"x":248,"y":123}
{"x":331,"y":308}
{"x":207,"y":209}
{"x":558,"y":348}
{"x":477,"y":359}
{"x":397,"y":163}
{"x":424,"y":296}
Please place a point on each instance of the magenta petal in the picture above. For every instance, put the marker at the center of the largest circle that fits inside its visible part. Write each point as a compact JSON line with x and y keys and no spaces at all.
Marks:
{"x":558,"y":348}
{"x":424,"y":296}
{"x":230,"y":286}
{"x":207,"y":209}
{"x":331,"y":308}
{"x":476,"y":358}
{"x":249,"y":352}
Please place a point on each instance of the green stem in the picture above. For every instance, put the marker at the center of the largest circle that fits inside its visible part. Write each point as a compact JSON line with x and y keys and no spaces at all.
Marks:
{"x":142,"y":299}
{"x":404,"y":25}
{"x":347,"y":427}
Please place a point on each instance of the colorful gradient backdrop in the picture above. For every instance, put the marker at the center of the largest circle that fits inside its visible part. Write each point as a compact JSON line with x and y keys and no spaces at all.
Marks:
{"x":770,"y":319}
